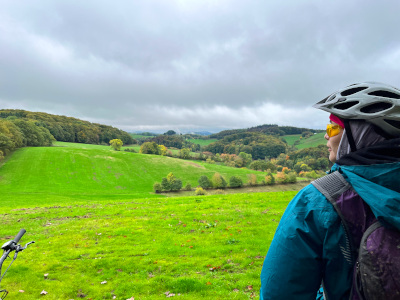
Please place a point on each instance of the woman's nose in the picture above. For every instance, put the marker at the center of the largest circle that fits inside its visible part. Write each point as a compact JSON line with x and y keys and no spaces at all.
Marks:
{"x":326,"y":136}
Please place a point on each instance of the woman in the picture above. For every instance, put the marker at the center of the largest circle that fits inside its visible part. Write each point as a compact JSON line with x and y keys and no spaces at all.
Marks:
{"x":310,"y":245}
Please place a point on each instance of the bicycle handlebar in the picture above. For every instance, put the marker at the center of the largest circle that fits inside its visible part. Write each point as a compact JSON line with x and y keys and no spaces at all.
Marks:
{"x":19,"y":235}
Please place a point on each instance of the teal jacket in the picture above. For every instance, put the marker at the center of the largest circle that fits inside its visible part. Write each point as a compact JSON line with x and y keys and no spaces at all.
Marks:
{"x":306,"y":248}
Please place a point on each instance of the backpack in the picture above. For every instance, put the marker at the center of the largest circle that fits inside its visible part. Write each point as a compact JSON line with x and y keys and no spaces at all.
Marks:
{"x":373,"y":249}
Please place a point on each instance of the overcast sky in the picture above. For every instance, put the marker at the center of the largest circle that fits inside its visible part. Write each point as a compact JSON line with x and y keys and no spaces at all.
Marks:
{"x":178,"y":64}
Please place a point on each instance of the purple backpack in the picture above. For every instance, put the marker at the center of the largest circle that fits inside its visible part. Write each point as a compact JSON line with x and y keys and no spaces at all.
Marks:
{"x":372,"y":248}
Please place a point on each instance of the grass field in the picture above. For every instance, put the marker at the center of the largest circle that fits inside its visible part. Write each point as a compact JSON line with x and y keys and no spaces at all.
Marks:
{"x":95,"y":172}
{"x":312,"y":141}
{"x":208,"y":247}
{"x":101,"y":234}
{"x":202,"y":142}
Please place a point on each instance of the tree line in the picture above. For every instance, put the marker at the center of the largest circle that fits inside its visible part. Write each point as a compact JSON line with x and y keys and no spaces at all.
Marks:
{"x":268,"y":129}
{"x":173,"y":184}
{"x":20,"y":128}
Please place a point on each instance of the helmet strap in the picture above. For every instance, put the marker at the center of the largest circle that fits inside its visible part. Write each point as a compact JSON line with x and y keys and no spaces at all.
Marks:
{"x":349,"y":135}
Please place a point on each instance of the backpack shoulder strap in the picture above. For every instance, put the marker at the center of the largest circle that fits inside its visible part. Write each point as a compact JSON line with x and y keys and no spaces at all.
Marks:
{"x":331,"y":186}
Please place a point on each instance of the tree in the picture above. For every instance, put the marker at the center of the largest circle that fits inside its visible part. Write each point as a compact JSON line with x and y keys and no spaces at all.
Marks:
{"x":157,"y":187}
{"x":170,"y":132}
{"x":205,"y":182}
{"x":184,"y":153}
{"x":149,"y":148}
{"x":235,"y":182}
{"x":218,"y":181}
{"x":163,"y":150}
{"x":246,"y":158}
{"x":171,"y":183}
{"x":252,"y":179}
{"x":116,"y":144}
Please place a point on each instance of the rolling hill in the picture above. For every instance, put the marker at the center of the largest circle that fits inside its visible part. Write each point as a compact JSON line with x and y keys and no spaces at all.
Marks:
{"x":87,"y":172}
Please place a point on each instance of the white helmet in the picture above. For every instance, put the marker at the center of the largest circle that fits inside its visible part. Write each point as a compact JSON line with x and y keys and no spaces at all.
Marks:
{"x":373,"y":102}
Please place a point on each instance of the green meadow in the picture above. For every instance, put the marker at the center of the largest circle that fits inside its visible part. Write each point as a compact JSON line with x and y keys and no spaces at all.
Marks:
{"x":202,"y":142}
{"x":312,"y":141}
{"x":100,"y":233}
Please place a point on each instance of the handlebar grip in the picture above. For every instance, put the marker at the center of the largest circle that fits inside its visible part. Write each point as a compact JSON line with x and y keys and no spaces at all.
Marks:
{"x":19,"y":235}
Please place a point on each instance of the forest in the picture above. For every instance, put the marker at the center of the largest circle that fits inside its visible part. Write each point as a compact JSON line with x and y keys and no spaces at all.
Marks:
{"x":20,"y":128}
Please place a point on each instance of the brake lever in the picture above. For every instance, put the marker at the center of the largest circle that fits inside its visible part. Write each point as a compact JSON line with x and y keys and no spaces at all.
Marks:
{"x":20,"y":248}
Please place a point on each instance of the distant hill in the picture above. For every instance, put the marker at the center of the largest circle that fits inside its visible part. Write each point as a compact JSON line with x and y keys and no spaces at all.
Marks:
{"x":68,"y":129}
{"x":269,"y":129}
{"x":20,"y":128}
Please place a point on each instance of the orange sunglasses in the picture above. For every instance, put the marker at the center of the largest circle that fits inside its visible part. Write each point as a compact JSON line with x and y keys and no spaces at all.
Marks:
{"x":333,"y":129}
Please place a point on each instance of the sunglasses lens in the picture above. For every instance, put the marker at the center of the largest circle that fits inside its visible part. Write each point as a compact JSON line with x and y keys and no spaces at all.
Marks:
{"x":332,"y":130}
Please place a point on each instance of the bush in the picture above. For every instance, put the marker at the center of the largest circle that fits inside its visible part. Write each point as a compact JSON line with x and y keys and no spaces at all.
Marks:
{"x":281,"y":177}
{"x":291,"y":177}
{"x":269,"y":179}
{"x":235,"y":182}
{"x":116,"y":144}
{"x":252,"y":179}
{"x":218,"y":181}
{"x":200,"y":191}
{"x":171,"y":183}
{"x":184,"y":153}
{"x":157,"y":187}
{"x":204,"y":182}
{"x":130,"y":150}
{"x":210,"y":161}
{"x":149,"y":148}
{"x":188,"y":187}
{"x":311,"y":174}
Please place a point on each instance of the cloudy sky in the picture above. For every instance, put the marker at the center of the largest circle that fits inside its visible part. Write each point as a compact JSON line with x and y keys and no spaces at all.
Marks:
{"x":192,"y":64}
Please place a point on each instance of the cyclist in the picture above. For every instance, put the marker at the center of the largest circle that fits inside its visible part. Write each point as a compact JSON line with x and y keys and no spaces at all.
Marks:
{"x":310,"y":244}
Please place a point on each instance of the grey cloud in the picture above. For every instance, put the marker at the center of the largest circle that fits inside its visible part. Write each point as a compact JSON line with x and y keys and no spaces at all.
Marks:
{"x":192,"y":63}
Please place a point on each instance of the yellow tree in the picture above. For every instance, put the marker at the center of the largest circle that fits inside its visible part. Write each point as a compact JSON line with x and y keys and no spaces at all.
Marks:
{"x":116,"y":144}
{"x":163,"y":150}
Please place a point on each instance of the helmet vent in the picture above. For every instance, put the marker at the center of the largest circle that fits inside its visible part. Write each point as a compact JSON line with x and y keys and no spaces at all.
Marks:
{"x":323,"y":100}
{"x":385,"y":94}
{"x":352,"y":91}
{"x":345,"y":105}
{"x":394,"y":123}
{"x":376,"y":107}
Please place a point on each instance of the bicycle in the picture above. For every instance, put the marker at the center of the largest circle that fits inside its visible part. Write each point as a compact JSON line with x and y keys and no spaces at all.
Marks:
{"x":8,"y":247}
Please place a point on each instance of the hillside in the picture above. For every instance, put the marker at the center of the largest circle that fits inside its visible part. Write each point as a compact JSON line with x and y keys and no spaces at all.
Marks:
{"x":300,"y":142}
{"x":95,"y":172}
{"x":268,"y":129}
{"x":62,"y":128}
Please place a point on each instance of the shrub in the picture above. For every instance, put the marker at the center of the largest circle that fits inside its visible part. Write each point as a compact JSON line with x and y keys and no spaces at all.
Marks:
{"x":291,"y":177}
{"x":252,"y":179}
{"x":210,"y":161}
{"x":218,"y":181}
{"x":163,"y":150}
{"x":311,"y":174}
{"x":188,"y":187}
{"x":116,"y":144}
{"x":171,"y":183}
{"x":200,"y":191}
{"x":157,"y":187}
{"x":205,"y":182}
{"x":130,"y":150}
{"x":165,"y":185}
{"x":269,"y":179}
{"x":235,"y":182}
{"x":149,"y":148}
{"x":281,"y":177}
